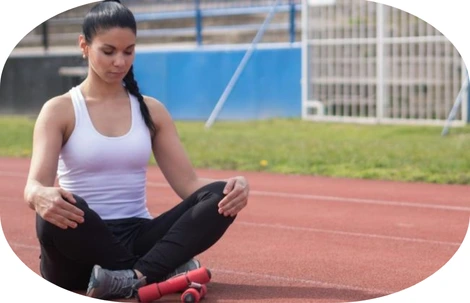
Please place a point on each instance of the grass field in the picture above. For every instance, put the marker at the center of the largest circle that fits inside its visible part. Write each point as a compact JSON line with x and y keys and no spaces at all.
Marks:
{"x":405,"y":153}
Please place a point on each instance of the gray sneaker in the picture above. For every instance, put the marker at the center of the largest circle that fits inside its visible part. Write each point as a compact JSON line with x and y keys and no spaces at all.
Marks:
{"x":108,"y":284}
{"x":185,"y":267}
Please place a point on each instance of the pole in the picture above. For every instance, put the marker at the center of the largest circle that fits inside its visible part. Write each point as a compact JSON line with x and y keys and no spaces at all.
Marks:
{"x":198,"y":22}
{"x":292,"y":21}
{"x":45,"y":35}
{"x":241,"y":67}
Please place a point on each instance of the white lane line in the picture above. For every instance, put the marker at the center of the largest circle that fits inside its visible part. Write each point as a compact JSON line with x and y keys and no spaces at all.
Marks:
{"x":316,"y":197}
{"x":342,"y":199}
{"x":265,"y":276}
{"x":20,"y":245}
{"x":12,"y":174}
{"x":324,"y":231}
{"x":363,"y":201}
{"x":303,"y":281}
{"x":11,"y":198}
{"x":346,"y":233}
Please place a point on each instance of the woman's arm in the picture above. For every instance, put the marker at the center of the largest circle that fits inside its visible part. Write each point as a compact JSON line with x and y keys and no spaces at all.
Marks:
{"x":177,"y":168}
{"x":50,"y":130}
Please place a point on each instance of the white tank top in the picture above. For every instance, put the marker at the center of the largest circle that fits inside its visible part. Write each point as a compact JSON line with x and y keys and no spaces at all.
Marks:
{"x":108,"y":172}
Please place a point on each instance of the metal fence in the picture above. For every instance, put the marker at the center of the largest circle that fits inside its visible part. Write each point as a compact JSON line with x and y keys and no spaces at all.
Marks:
{"x":368,"y":62}
{"x":178,"y":5}
{"x":181,"y":21}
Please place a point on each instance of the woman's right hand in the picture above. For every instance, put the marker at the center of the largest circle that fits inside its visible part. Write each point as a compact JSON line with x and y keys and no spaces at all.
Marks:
{"x":51,"y":204}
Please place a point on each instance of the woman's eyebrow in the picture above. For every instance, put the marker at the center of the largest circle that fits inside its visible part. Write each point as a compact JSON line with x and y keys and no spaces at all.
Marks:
{"x":113,"y":47}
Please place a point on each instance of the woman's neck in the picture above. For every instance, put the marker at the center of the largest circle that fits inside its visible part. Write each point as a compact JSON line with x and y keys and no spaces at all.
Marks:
{"x":95,"y":88}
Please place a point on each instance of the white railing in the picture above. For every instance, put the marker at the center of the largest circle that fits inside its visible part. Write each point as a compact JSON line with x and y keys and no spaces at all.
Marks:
{"x":365,"y":62}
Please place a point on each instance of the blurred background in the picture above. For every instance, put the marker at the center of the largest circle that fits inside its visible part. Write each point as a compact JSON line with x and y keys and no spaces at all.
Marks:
{"x":321,"y":60}
{"x":339,"y":88}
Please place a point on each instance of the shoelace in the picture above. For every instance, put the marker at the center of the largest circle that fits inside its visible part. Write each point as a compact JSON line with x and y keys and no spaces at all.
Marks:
{"x":120,"y":283}
{"x":125,"y":285}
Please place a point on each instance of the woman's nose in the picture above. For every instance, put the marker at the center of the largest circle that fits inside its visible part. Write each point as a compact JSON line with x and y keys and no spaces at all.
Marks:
{"x":119,"y":60}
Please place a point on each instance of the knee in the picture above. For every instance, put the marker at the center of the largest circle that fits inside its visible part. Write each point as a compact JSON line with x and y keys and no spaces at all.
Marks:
{"x":216,"y":188}
{"x":212,"y":194}
{"x":81,"y":203}
{"x":45,"y":229}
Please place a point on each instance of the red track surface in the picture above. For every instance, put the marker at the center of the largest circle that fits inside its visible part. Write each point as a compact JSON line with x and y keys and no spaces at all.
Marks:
{"x":300,"y":239}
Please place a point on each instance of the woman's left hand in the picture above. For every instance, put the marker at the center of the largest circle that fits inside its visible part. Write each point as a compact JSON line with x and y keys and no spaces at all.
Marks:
{"x":236,"y":191}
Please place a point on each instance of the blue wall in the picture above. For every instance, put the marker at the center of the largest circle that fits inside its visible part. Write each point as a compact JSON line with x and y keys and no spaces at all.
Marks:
{"x":190,"y":82}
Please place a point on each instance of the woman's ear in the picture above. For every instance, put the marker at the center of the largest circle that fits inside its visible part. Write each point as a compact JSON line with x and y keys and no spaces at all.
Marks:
{"x":83,"y":46}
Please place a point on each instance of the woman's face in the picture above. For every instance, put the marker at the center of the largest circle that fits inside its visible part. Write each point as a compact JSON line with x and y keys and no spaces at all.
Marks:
{"x":111,"y":53}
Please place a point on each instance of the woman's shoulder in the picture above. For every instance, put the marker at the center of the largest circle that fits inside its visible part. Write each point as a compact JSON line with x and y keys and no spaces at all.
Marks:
{"x":157,"y":110}
{"x":61,"y":103}
{"x":59,"y":109}
{"x":155,"y":106}
{"x":152,"y":102}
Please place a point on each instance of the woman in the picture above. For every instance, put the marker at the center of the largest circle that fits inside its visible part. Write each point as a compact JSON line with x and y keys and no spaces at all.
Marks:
{"x":98,"y":139}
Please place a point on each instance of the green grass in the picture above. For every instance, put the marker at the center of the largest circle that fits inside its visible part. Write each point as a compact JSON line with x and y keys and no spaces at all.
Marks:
{"x":405,"y":153}
{"x":16,"y":135}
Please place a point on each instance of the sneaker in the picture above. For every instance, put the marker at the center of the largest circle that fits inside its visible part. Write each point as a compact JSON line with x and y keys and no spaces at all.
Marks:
{"x":108,"y":284}
{"x":184,"y":268}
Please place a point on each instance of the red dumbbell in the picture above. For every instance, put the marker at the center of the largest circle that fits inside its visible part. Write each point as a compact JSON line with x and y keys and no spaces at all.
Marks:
{"x":194,"y":293}
{"x":175,"y":284}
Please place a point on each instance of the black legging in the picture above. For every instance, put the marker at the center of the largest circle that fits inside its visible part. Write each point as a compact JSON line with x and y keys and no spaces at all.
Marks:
{"x":155,"y":247}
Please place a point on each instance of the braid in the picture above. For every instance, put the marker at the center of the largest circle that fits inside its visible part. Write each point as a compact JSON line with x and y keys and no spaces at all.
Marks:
{"x":133,"y":88}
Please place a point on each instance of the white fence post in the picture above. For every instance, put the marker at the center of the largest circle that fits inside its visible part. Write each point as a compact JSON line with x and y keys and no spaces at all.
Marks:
{"x":380,"y":63}
{"x":304,"y":78}
{"x":366,"y":62}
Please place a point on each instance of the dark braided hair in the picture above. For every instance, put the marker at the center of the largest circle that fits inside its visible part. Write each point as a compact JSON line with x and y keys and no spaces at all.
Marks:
{"x":106,"y":15}
{"x":133,"y":88}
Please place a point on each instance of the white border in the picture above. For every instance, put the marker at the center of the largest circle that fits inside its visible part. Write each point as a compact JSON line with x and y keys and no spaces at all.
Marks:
{"x":450,"y":284}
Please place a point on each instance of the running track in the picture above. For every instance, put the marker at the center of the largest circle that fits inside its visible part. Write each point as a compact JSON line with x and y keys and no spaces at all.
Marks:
{"x":301,"y":238}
